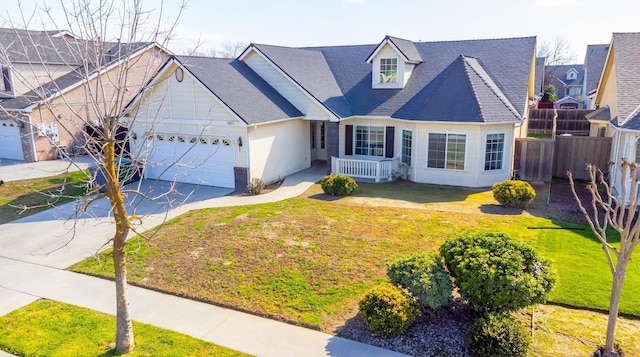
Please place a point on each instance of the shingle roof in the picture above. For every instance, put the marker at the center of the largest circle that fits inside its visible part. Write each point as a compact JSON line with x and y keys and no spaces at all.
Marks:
{"x":408,"y":48}
{"x":539,"y":76}
{"x":464,"y":92}
{"x":560,"y":73}
{"x":600,"y":114}
{"x":626,"y":51}
{"x":113,"y":53}
{"x":240,"y":88}
{"x":506,"y":61}
{"x":311,"y":71}
{"x":39,"y":46}
{"x":594,"y":64}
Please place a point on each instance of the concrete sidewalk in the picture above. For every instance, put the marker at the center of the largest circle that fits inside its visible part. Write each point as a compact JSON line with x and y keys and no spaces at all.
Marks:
{"x":38,"y":248}
{"x":12,"y":170}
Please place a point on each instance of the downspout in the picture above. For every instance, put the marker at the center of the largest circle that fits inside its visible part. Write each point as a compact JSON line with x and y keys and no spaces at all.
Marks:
{"x":32,"y":140}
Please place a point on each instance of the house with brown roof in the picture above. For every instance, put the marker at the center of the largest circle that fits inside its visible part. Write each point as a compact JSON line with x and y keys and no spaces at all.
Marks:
{"x":46,"y":80}
{"x":440,"y":112}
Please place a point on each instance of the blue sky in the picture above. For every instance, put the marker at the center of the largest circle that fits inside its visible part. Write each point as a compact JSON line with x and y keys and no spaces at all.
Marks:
{"x":340,"y":22}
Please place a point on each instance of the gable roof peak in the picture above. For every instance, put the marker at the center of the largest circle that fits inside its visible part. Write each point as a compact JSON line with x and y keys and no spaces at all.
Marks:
{"x":405,"y":48}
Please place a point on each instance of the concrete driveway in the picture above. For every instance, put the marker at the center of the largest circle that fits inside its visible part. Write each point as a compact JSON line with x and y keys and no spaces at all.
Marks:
{"x":13,"y":170}
{"x":63,"y":235}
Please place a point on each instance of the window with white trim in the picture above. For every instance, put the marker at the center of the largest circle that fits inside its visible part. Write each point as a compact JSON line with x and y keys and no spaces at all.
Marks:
{"x":494,"y":152}
{"x":369,"y":140}
{"x":407,"y":139}
{"x":388,"y":70}
{"x":446,"y":151}
{"x":637,"y":151}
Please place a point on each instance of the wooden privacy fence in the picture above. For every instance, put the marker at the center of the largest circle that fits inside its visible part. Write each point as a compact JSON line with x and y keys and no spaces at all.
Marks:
{"x":540,"y":159}
{"x":570,"y":121}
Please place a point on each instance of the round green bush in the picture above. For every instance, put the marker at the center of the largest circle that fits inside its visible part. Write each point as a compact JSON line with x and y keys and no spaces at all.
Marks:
{"x":338,"y":185}
{"x":514,"y":193}
{"x":496,"y":273}
{"x":387,"y":310}
{"x":424,"y":276}
{"x":497,"y":335}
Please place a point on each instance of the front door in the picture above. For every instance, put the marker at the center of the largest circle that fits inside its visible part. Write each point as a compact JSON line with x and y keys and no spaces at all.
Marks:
{"x":318,"y":141}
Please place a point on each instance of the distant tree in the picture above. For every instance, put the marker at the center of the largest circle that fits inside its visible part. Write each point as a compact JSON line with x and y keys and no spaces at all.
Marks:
{"x":557,"y":52}
{"x":229,"y":50}
{"x":549,"y":93}
{"x":607,"y":211}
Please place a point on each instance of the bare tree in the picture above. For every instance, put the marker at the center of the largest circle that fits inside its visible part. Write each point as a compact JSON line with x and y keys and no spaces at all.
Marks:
{"x":555,"y":53}
{"x":621,"y":215}
{"x":228,"y":50}
{"x":105,"y":76}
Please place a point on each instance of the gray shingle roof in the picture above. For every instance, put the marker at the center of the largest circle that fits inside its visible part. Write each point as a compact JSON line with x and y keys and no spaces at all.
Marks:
{"x":39,"y":46}
{"x":506,"y":61}
{"x":539,"y":76}
{"x":113,"y":53}
{"x":600,"y":114}
{"x":594,"y":64}
{"x":408,"y":48}
{"x":560,"y":73}
{"x":626,"y":51}
{"x":310,"y":70}
{"x":240,"y":88}
{"x":464,"y":92}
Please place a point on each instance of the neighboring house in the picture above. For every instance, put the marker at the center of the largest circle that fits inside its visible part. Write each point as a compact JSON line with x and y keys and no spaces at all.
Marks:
{"x":446,"y":112}
{"x":568,"y":80}
{"x":593,"y":65}
{"x":618,"y":100}
{"x":43,"y":104}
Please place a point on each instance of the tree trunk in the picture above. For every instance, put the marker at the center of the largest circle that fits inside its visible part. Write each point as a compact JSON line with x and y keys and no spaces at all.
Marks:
{"x":614,"y":302}
{"x":124,"y":327}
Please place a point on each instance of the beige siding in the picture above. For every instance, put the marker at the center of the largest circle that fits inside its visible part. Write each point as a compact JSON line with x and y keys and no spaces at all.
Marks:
{"x":279,"y":149}
{"x":70,"y":111}
{"x":27,"y":76}
{"x":285,"y":87}
{"x":404,"y":70}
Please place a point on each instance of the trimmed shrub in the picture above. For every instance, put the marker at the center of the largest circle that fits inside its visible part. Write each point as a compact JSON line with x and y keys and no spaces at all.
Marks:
{"x":256,"y":186}
{"x":338,"y":185}
{"x":496,"y":273}
{"x":388,"y":311}
{"x":497,"y":335}
{"x":424,"y":276}
{"x":513,"y":193}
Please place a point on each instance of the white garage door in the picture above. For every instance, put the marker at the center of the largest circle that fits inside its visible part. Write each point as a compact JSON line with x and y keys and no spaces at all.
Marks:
{"x":10,"y":143}
{"x":191,"y":159}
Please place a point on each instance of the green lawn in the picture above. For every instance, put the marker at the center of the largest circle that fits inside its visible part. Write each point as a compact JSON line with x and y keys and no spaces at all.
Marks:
{"x":308,"y":259}
{"x":23,"y":198}
{"x":47,"y":328}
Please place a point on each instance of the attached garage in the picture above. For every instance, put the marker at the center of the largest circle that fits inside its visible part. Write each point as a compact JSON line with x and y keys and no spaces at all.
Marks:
{"x":202,"y":160}
{"x":10,"y":142}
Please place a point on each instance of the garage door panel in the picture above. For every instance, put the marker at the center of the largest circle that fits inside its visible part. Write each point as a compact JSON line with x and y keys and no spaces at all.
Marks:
{"x":11,"y":143}
{"x":207,"y":161}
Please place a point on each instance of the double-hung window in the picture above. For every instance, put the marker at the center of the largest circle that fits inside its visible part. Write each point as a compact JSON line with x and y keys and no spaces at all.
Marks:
{"x":369,"y":140}
{"x":446,"y":151}
{"x":494,"y":152}
{"x":388,"y":70}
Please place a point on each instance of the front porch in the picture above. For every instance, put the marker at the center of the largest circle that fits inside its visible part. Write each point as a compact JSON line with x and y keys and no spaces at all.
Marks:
{"x":373,"y":169}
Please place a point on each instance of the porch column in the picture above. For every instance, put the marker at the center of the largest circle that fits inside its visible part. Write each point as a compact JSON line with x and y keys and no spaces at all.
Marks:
{"x":333,"y":142}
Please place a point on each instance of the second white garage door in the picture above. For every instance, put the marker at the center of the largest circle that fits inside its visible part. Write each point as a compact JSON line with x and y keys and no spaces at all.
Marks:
{"x":191,"y":159}
{"x":10,"y":143}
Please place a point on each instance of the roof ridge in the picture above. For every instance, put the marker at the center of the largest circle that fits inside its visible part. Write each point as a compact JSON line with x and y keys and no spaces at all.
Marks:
{"x":489,"y":82}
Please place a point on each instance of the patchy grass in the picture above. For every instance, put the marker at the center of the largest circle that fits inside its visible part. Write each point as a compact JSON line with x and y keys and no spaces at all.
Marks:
{"x":47,"y":328}
{"x":23,"y":198}
{"x":567,"y":332}
{"x":308,"y":259}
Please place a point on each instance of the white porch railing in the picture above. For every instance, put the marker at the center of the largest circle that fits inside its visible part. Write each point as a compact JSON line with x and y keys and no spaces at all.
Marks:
{"x":377,"y":170}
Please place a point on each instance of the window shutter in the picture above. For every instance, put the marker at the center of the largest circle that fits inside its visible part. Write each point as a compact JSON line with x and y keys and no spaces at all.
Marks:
{"x":348,"y":139}
{"x":389,"y":142}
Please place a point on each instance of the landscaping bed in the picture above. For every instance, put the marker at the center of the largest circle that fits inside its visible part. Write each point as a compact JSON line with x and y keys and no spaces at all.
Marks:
{"x":307,"y":260}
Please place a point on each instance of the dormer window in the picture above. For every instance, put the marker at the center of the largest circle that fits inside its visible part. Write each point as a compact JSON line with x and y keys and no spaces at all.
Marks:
{"x":572,"y":74}
{"x":388,"y":70}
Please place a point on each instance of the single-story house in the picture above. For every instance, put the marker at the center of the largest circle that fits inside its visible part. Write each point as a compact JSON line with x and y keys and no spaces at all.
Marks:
{"x":441,"y":112}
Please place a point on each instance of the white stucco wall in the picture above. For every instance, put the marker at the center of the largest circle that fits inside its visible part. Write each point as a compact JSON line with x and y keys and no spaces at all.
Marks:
{"x":279,"y":149}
